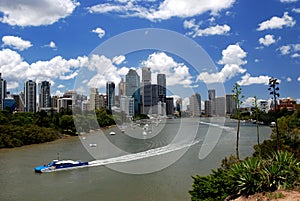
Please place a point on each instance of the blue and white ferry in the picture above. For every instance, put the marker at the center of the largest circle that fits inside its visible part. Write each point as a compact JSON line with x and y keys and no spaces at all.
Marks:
{"x":57,"y":165}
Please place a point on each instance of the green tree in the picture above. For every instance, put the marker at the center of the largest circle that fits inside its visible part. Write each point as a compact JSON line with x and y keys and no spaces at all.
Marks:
{"x":237,"y":90}
{"x":273,"y":88}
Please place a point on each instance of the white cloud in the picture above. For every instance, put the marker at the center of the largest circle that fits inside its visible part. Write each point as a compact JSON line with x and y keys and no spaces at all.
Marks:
{"x":118,"y":59}
{"x":248,"y":80}
{"x":61,"y":86}
{"x":213,"y":30}
{"x":267,"y":40}
{"x":163,"y":10}
{"x":99,"y":31}
{"x":32,"y":13}
{"x":291,"y":49}
{"x":298,"y":79}
{"x":248,"y":102}
{"x":52,"y":45}
{"x":285,"y":49}
{"x":295,"y":55}
{"x":277,"y":22}
{"x":288,"y":1}
{"x":233,"y":59}
{"x":16,"y":42}
{"x":296,"y":10}
{"x":176,"y":73}
{"x":288,"y":79}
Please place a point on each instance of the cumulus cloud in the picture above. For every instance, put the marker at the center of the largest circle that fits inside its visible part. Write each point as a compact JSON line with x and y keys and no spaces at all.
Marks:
{"x":288,"y":79}
{"x":52,"y":45}
{"x":99,"y":31}
{"x":296,"y":10}
{"x":197,"y":31}
{"x":248,"y":80}
{"x":277,"y":22}
{"x":298,"y":79}
{"x":267,"y":40}
{"x":163,"y":10}
{"x":119,"y":59}
{"x":288,"y":1}
{"x":176,"y":73}
{"x":31,"y":13}
{"x":291,"y":49}
{"x":232,"y":59}
{"x":16,"y":42}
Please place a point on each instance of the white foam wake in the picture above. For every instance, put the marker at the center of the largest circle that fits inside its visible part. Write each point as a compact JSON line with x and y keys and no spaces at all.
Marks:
{"x":142,"y":155}
{"x":216,"y":125}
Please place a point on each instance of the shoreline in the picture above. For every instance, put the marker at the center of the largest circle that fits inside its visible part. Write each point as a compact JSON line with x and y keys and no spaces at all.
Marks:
{"x":61,"y":138}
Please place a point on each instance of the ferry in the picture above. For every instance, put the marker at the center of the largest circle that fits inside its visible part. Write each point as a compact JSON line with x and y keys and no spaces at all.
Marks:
{"x":57,"y":165}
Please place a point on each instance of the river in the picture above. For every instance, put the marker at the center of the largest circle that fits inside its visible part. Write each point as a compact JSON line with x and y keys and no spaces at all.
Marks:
{"x":128,"y":166}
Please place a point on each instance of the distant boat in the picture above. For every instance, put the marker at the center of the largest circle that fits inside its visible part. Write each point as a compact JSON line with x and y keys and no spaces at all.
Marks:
{"x":93,"y":145}
{"x":112,"y":133}
{"x":57,"y":165}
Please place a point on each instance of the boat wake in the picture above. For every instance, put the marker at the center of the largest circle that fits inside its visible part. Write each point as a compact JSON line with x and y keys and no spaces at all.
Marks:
{"x":217,"y":125}
{"x":142,"y":155}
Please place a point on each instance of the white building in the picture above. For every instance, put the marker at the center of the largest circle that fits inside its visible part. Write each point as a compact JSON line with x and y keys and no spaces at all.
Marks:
{"x":127,"y":105}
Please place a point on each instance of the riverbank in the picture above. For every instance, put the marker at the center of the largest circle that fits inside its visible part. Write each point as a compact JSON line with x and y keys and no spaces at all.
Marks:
{"x":279,"y":195}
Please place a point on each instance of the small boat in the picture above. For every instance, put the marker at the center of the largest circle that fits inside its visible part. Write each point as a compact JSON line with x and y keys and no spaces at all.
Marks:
{"x":112,"y":133}
{"x":57,"y":165}
{"x":93,"y":145}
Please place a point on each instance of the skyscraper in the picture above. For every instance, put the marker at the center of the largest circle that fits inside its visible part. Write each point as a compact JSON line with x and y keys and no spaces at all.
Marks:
{"x":3,"y":91}
{"x":110,"y":93}
{"x":94,"y":99}
{"x":230,"y":104}
{"x":146,"y":90}
{"x":30,"y":96}
{"x":211,"y":94}
{"x":195,"y":105}
{"x":44,"y":95}
{"x":211,"y":104}
{"x":122,"y":88}
{"x":161,"y":82}
{"x":133,"y":89}
{"x":220,"y":105}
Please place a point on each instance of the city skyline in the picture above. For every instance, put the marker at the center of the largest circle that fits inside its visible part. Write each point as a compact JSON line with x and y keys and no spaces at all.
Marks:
{"x":247,"y":43}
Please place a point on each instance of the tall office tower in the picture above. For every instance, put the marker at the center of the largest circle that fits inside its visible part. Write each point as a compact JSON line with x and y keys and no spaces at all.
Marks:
{"x":30,"y":96}
{"x":133,"y":89}
{"x":44,"y":95}
{"x":161,"y":82}
{"x":230,"y":104}
{"x":169,"y":105}
{"x":94,"y":99}
{"x":110,"y":93}
{"x":195,"y":105}
{"x":3,"y":91}
{"x":220,"y":106}
{"x":212,"y":104}
{"x":146,"y":91}
{"x":211,"y":94}
{"x":127,"y":105}
{"x":122,"y":88}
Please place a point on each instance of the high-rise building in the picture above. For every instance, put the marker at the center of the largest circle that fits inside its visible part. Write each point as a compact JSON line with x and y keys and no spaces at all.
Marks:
{"x":231,"y":106}
{"x":3,"y":91}
{"x":133,"y":89}
{"x":30,"y":96}
{"x":210,"y":110}
{"x":127,"y":105}
{"x":110,"y":93}
{"x":211,"y":94}
{"x":44,"y":95}
{"x":161,"y":85}
{"x":122,"y":88}
{"x":263,"y":105}
{"x":146,"y":91}
{"x":195,"y":105}
{"x":94,"y":99}
{"x":220,"y":104}
{"x":169,"y":106}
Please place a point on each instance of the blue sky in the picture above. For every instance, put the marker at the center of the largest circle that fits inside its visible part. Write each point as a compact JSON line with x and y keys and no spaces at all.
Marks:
{"x":248,"y":42}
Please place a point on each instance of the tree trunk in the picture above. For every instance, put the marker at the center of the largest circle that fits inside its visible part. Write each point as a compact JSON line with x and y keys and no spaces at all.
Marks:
{"x":237,"y":140}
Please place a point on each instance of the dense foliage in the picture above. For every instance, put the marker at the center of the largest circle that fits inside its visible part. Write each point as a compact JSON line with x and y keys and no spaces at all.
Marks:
{"x":26,"y":128}
{"x":267,"y":170}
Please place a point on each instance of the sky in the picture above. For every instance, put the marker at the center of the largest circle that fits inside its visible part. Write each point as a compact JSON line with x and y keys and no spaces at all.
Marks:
{"x":237,"y":41}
